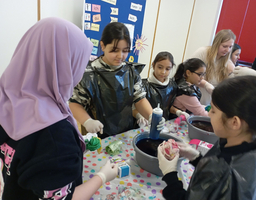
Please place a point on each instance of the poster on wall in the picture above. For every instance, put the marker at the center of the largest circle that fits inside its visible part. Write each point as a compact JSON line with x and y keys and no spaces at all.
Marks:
{"x":98,"y":13}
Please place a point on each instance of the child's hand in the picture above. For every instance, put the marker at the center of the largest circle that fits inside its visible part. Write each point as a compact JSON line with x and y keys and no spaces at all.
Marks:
{"x":165,"y":165}
{"x":187,"y":151}
{"x":108,"y":172}
{"x":93,"y":126}
{"x":160,"y":126}
{"x":209,"y":87}
{"x":179,"y":113}
{"x":243,"y":71}
{"x":141,"y":121}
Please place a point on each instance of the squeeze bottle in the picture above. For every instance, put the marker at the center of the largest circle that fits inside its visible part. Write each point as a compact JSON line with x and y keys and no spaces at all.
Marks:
{"x":156,"y":118}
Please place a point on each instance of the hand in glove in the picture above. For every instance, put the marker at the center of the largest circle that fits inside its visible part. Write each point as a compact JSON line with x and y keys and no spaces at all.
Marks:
{"x":209,"y":87}
{"x":160,"y":126}
{"x":244,"y":71}
{"x":93,"y":126}
{"x":165,"y":165}
{"x":187,"y":151}
{"x":179,"y":113}
{"x":108,"y":172}
{"x":141,"y":121}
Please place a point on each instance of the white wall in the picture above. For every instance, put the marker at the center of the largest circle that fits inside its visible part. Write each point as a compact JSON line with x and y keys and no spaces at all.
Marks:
{"x":174,"y":32}
{"x":148,"y":30}
{"x":204,"y":23}
{"x":16,"y":17}
{"x":172,"y":27}
{"x":71,"y":10}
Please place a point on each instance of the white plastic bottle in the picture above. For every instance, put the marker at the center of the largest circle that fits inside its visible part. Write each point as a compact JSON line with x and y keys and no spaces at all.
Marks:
{"x":156,"y":118}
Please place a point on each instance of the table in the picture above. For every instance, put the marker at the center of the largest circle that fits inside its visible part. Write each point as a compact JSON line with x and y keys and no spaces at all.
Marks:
{"x":149,"y":184}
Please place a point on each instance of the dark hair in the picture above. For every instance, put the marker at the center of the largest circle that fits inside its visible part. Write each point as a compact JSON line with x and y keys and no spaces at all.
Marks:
{"x":235,"y":47}
{"x":164,"y":55}
{"x":115,"y":31}
{"x":236,"y":97}
{"x":191,"y":64}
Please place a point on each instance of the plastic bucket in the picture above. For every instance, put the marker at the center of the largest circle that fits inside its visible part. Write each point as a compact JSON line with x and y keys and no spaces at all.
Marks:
{"x":200,"y":134}
{"x":146,"y":161}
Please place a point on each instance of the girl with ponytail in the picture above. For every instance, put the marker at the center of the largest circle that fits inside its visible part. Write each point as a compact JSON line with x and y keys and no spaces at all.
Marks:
{"x":188,"y":77}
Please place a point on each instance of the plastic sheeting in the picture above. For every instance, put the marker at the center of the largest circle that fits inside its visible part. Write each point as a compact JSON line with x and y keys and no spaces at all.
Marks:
{"x":164,"y":95}
{"x":190,"y":90}
{"x":112,"y":95}
{"x":214,"y":178}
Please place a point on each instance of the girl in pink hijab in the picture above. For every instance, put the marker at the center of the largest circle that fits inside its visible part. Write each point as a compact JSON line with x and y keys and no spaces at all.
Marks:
{"x":41,"y":147}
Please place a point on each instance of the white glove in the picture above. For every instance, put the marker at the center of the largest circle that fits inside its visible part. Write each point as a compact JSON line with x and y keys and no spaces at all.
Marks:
{"x":209,"y":87}
{"x":108,"y":172}
{"x":179,"y":113}
{"x":141,"y":121}
{"x":244,"y":71}
{"x":160,"y":126}
{"x":165,"y":165}
{"x":93,"y":126}
{"x":188,"y":151}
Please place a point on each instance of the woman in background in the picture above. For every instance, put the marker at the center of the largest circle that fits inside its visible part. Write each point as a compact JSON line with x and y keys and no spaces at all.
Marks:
{"x":217,"y":60}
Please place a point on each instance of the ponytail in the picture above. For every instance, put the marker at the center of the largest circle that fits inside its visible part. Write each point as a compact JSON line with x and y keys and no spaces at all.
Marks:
{"x":180,"y":72}
{"x":191,"y":64}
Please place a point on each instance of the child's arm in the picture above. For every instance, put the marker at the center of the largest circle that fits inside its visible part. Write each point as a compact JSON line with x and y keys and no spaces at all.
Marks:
{"x":230,"y":67}
{"x":141,"y":121}
{"x":86,"y":190}
{"x":178,"y":112}
{"x":208,"y":86}
{"x":192,"y":104}
{"x":244,"y":71}
{"x":144,"y":108}
{"x":174,"y":188}
{"x":80,"y":114}
{"x":173,"y":110}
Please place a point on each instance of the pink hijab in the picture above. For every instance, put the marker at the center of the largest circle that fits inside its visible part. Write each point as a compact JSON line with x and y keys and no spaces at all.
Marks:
{"x":47,"y":64}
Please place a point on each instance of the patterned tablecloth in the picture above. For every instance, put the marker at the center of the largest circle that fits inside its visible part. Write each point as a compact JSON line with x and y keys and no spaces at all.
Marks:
{"x":140,"y":183}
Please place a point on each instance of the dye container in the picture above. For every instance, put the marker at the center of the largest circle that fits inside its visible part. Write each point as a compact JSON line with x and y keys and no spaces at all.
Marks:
{"x":156,"y":118}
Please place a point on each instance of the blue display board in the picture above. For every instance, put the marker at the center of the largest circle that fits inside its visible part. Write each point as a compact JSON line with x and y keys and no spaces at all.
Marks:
{"x":98,"y":13}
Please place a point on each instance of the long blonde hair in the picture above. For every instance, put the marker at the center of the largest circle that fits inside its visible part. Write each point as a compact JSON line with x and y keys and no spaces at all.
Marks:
{"x":221,"y":69}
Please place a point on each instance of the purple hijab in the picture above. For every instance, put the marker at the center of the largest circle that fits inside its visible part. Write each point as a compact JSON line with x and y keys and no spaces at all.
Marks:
{"x":47,"y":64}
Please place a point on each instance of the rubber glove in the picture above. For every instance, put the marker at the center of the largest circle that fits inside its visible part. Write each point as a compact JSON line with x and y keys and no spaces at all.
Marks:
{"x":244,"y":71}
{"x":108,"y":172}
{"x":141,"y":121}
{"x":187,"y":151}
{"x":180,"y":112}
{"x":93,"y":126}
{"x":165,"y":165}
{"x":209,"y":87}
{"x":160,"y":126}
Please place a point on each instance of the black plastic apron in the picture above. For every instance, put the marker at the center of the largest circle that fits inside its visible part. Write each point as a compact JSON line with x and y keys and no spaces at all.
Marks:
{"x":164,"y":95}
{"x":112,"y":95}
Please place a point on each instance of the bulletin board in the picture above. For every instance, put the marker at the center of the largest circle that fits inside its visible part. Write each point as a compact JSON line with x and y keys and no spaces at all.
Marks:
{"x":99,"y":13}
